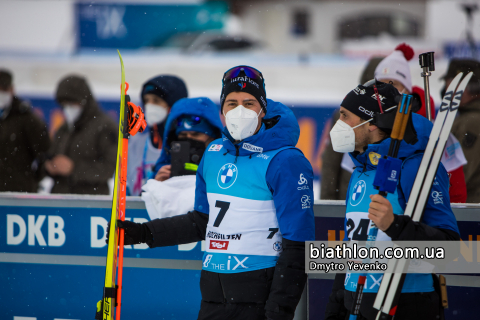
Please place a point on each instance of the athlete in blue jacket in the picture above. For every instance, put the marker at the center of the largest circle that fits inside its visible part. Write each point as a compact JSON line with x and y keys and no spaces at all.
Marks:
{"x":366,"y":144}
{"x":253,"y":206}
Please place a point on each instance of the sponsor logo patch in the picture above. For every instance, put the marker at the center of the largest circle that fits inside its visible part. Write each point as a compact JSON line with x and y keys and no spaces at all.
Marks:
{"x":277,"y":246}
{"x":251,"y":147}
{"x":215,"y":235}
{"x":261,"y":155}
{"x":437,"y":197}
{"x":215,"y":147}
{"x":218,"y":245}
{"x":374,"y":157}
{"x":303,"y":183}
{"x":227,"y":175}
{"x":306,"y":202}
{"x":358,"y":192}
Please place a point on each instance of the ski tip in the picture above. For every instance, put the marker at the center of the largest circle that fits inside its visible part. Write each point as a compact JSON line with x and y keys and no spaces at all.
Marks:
{"x":466,"y":79}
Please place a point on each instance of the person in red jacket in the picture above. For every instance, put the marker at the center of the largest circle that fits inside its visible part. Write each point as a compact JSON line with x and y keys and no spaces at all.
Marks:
{"x":394,"y":69}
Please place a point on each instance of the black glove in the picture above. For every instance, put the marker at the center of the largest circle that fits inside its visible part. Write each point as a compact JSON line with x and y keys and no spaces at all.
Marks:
{"x":135,"y":233}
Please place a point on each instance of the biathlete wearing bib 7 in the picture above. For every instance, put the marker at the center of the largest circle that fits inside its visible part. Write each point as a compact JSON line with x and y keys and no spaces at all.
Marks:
{"x":438,"y":213}
{"x":256,"y":193}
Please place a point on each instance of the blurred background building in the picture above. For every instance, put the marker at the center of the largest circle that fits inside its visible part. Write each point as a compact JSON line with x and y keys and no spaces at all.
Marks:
{"x":311,"y":52}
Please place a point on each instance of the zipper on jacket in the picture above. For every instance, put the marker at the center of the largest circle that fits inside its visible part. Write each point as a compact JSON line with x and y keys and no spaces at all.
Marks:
{"x":223,"y":290}
{"x":236,"y":153}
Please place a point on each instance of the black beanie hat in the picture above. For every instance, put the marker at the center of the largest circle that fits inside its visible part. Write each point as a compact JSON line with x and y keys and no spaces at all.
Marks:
{"x":243,"y":83}
{"x":169,"y":88}
{"x":362,"y":100}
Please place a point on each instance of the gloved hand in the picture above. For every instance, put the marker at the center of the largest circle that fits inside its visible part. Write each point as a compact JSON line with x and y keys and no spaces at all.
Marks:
{"x":135,"y":233}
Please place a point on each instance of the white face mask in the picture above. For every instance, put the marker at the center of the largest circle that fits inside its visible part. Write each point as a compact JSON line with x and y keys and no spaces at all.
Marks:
{"x":155,"y":114}
{"x":343,"y":137}
{"x":5,"y":100}
{"x":241,"y":122}
{"x":72,"y":112}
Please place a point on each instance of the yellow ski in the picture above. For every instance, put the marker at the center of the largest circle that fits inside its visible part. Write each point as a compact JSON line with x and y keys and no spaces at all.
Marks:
{"x":131,"y":121}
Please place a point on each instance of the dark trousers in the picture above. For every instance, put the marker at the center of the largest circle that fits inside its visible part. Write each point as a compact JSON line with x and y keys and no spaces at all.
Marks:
{"x":412,"y":306}
{"x":231,"y":311}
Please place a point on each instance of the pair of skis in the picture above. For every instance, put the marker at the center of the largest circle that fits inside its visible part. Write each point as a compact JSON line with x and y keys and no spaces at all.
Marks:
{"x":391,"y":286}
{"x":131,"y":121}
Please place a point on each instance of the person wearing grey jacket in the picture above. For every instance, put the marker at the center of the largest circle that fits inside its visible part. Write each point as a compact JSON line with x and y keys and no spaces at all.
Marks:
{"x":83,"y":154}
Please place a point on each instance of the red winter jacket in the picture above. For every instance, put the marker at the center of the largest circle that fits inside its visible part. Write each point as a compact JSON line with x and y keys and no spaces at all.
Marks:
{"x":458,"y":188}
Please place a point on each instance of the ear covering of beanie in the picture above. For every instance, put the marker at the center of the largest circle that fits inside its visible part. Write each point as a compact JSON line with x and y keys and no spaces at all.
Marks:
{"x":395,"y":66}
{"x":362,"y":101}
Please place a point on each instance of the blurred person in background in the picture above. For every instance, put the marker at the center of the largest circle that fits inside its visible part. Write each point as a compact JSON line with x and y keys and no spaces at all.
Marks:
{"x":196,"y":120}
{"x":338,"y":167}
{"x":394,"y":69}
{"x":24,"y":141}
{"x":158,"y":96}
{"x":466,"y":126}
{"x":84,"y":149}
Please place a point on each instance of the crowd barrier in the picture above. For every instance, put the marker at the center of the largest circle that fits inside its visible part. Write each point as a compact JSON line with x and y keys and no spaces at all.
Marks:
{"x":52,"y":262}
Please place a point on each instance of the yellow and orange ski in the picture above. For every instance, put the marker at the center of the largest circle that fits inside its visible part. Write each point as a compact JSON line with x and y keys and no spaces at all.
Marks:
{"x":131,"y":121}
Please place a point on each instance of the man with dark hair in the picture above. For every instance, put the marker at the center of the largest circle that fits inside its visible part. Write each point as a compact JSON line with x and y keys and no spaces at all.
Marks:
{"x":366,"y":142}
{"x":466,"y":126}
{"x":83,"y":154}
{"x":253,"y":206}
{"x":23,"y":141}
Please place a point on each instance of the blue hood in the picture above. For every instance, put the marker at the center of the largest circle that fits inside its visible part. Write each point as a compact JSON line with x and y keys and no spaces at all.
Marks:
{"x":422,"y":126}
{"x":201,"y":107}
{"x":279,"y":129}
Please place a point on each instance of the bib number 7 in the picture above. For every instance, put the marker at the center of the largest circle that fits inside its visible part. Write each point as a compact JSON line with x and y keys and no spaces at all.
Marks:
{"x":223,"y":210}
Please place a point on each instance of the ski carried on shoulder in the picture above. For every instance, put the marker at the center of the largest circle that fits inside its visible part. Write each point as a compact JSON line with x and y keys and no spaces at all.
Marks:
{"x":131,"y":121}
{"x":391,"y":286}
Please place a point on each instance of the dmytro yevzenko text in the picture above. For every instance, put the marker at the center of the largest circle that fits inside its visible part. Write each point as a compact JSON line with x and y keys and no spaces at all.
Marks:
{"x":353,"y":251}
{"x":352,"y":266}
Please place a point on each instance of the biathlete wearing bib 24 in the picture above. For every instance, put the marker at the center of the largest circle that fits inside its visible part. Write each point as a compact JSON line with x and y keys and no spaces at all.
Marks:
{"x":438,"y":213}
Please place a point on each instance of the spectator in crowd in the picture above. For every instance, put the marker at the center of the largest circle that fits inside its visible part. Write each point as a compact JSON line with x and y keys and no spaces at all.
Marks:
{"x":144,"y":149}
{"x":83,"y":154}
{"x":195,"y":119}
{"x":394,"y":69}
{"x":24,"y":141}
{"x":466,"y":126}
{"x":335,"y":177}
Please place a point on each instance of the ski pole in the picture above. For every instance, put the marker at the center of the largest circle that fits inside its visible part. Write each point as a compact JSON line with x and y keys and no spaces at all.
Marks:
{"x":388,"y":166}
{"x":427,"y":63}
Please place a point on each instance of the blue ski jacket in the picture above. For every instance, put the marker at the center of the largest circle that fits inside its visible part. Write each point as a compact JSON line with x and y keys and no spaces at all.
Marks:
{"x":438,"y":212}
{"x":438,"y":221}
{"x":279,"y":130}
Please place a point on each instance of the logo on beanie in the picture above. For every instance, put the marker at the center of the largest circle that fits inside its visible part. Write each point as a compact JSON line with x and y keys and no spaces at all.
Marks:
{"x":374,"y":96}
{"x":242,"y":85}
{"x":367,"y":112}
{"x":385,"y":71}
{"x":245,"y":79}
{"x":358,"y":91}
